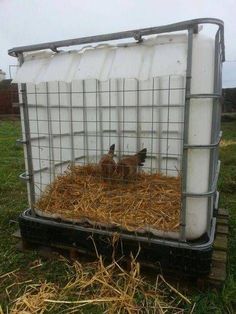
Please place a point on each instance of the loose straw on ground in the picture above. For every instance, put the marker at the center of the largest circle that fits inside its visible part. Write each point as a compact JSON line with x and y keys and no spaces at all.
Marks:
{"x":109,"y":287}
{"x":33,"y":299}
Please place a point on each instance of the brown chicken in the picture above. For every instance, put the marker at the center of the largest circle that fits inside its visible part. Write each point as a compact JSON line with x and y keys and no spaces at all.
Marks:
{"x":107,"y":163}
{"x":128,"y":166}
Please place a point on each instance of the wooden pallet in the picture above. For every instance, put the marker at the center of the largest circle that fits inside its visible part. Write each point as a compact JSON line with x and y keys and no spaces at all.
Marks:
{"x":217,"y":274}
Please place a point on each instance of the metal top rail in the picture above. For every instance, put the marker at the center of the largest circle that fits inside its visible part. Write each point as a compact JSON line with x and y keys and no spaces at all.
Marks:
{"x":136,"y":34}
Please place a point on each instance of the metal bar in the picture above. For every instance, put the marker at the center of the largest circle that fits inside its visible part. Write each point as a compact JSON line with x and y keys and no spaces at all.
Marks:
{"x":78,"y":132}
{"x":119,"y":132}
{"x":26,"y":177}
{"x":69,"y":86}
{"x":213,"y":153}
{"x":16,"y":104}
{"x":138,"y":146}
{"x":79,"y":158}
{"x":85,"y":124}
{"x":185,"y":141}
{"x":216,"y":204}
{"x":159,"y":125}
{"x":50,"y":139}
{"x":170,"y":156}
{"x":123,"y":115}
{"x":213,"y":145}
{"x":205,"y":194}
{"x":213,"y":95}
{"x":107,"y":107}
{"x":213,"y":187}
{"x":106,"y":91}
{"x":168,"y":120}
{"x":181,"y":127}
{"x":137,"y":34}
{"x":60,"y":163}
{"x":21,"y":141}
{"x":112,"y":131}
{"x":10,"y":69}
{"x":152,"y":124}
{"x":28,"y":142}
{"x":100,"y":116}
{"x":60,"y":120}
{"x":155,"y":240}
{"x":216,"y":114}
{"x":38,"y":131}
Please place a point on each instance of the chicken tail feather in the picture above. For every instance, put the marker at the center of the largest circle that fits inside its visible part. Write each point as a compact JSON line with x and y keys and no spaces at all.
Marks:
{"x":112,"y":149}
{"x":142,"y":156}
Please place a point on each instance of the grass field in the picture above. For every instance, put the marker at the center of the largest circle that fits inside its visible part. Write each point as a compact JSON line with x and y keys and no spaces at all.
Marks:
{"x":13,"y":201}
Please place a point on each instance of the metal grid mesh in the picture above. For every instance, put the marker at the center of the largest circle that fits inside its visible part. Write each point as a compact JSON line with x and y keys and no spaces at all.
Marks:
{"x":77,"y":123}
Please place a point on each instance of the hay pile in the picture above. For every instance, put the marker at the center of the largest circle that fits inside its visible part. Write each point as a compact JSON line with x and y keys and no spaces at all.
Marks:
{"x":150,"y":202}
{"x":104,"y":289}
{"x":33,"y":298}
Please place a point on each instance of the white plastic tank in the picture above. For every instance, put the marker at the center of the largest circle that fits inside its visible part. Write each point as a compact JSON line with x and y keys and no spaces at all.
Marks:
{"x":147,"y":72}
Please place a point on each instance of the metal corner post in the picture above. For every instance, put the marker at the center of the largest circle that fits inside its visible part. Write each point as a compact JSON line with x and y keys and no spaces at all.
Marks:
{"x":185,"y":136}
{"x":215,"y":133}
{"x":28,"y":141}
{"x":215,"y":124}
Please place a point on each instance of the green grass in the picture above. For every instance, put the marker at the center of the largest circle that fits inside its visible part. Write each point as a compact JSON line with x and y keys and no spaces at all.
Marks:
{"x":13,"y":200}
{"x":225,"y":301}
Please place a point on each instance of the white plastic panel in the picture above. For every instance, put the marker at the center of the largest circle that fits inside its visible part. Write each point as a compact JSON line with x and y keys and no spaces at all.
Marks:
{"x":158,"y":56}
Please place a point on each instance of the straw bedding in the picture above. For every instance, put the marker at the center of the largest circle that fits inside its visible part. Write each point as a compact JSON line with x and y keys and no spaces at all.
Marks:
{"x":148,"y":202}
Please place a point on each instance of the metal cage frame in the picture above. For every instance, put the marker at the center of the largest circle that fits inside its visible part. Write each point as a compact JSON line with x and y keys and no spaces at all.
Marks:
{"x":191,"y":27}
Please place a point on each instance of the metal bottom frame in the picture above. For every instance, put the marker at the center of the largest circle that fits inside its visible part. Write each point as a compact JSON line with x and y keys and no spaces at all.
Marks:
{"x":191,"y":258}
